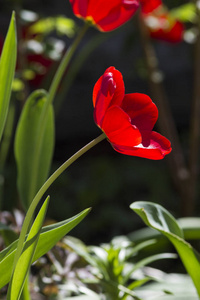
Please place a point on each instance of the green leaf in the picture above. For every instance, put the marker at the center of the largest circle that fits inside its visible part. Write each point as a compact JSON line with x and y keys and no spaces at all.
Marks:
{"x":158,"y":218}
{"x":7,"y":70}
{"x":190,"y":227}
{"x":34,"y":146}
{"x":49,"y":236}
{"x":25,"y":260}
{"x":169,"y":287}
{"x":147,"y":261}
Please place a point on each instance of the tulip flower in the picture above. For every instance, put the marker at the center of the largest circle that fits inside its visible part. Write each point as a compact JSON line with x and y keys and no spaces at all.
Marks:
{"x":106,"y":15}
{"x":165,"y":28}
{"x":127,"y":119}
{"x":159,"y":22}
{"x":149,"y":5}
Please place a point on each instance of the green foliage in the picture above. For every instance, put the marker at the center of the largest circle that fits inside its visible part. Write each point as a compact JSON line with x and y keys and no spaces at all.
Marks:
{"x":34,"y":145}
{"x":185,"y":12}
{"x":114,"y":265}
{"x":60,"y":24}
{"x":25,"y":260}
{"x":49,"y":236}
{"x":7,"y":69}
{"x":174,"y":287}
{"x":190,"y":227}
{"x":156,"y":217}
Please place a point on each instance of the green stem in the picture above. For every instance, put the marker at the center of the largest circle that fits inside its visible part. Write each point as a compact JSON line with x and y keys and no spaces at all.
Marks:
{"x":44,"y":188}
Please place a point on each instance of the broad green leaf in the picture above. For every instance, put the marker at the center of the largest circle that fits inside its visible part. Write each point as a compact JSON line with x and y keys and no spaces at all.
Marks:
{"x":7,"y":70}
{"x":34,"y":146}
{"x":158,"y":218}
{"x":25,"y":260}
{"x":49,"y":236}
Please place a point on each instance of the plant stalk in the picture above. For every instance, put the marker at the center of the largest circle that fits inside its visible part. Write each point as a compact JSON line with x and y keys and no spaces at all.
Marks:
{"x":44,"y":188}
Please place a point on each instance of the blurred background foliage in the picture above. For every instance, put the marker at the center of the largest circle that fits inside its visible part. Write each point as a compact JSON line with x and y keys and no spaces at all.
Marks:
{"x":103,"y":179}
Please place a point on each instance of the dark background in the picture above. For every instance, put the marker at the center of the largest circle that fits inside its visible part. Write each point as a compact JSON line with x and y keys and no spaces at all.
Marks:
{"x":103,"y":179}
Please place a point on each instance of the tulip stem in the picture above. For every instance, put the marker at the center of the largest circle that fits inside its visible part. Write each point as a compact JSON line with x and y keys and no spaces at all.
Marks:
{"x":44,"y":188}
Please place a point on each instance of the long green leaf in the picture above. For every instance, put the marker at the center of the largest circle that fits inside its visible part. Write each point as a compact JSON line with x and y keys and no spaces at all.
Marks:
{"x":49,"y":236}
{"x":7,"y":70}
{"x":25,"y":260}
{"x":33,"y":146}
{"x":158,"y":218}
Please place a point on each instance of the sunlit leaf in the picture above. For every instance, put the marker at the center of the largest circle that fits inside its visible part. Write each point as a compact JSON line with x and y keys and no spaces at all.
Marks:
{"x":25,"y":260}
{"x":49,"y":236}
{"x":34,"y":146}
{"x":158,"y":218}
{"x":7,"y":70}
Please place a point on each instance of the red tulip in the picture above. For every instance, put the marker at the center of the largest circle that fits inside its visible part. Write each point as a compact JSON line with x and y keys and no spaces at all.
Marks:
{"x":106,"y":15}
{"x":165,"y":28}
{"x":127,"y":119}
{"x":160,"y":24}
{"x":149,"y":5}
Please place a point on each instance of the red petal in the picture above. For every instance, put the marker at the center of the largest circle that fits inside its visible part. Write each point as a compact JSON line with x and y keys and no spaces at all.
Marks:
{"x":159,"y":147}
{"x":172,"y":35}
{"x":118,"y":15}
{"x":108,"y":91}
{"x":79,"y":7}
{"x":142,"y":111}
{"x":117,"y":126}
{"x":107,"y":15}
{"x":150,"y":5}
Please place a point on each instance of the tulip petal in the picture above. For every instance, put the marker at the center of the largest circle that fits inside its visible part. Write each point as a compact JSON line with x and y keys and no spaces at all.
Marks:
{"x":106,"y":15}
{"x":142,"y":111}
{"x":173,"y":33}
{"x":108,"y":91}
{"x":79,"y":7}
{"x":117,"y":126}
{"x":157,"y":149}
{"x":149,"y":5}
{"x":118,"y":16}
